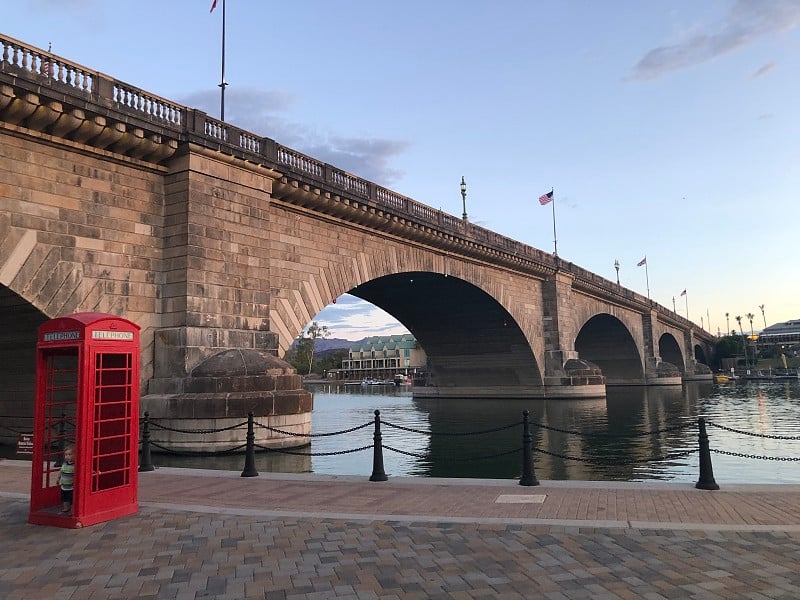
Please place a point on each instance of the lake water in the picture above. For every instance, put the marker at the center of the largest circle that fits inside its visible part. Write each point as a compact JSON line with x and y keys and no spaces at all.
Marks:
{"x":608,"y":449}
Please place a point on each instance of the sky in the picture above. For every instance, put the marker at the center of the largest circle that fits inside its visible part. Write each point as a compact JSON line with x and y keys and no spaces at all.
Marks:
{"x":668,"y":130}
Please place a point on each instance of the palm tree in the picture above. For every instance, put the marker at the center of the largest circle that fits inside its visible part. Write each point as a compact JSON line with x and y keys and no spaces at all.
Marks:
{"x":761,"y":306}
{"x":744,"y":344}
{"x":750,"y":317}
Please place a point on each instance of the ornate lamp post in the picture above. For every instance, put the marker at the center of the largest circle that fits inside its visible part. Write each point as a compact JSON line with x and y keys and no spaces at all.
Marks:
{"x":616,"y":266}
{"x":464,"y":198}
{"x":727,"y":324}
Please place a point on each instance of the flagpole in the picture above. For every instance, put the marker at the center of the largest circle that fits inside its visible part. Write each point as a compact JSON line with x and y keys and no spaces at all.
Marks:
{"x":686,"y":297}
{"x":222,"y":83}
{"x":555,"y":238}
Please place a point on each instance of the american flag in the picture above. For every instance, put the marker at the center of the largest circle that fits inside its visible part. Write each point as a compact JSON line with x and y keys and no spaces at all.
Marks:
{"x":642,"y":262}
{"x":546,"y":198}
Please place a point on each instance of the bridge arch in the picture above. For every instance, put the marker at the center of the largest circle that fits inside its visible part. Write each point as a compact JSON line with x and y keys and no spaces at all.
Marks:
{"x":670,"y":351}
{"x":19,"y":322}
{"x":700,"y":355}
{"x":470,"y":338}
{"x":605,"y":341}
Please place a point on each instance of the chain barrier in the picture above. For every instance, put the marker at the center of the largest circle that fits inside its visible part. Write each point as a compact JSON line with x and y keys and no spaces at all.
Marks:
{"x":750,"y":433}
{"x":758,"y":457}
{"x":225,"y":452}
{"x":706,"y":477}
{"x":13,"y":430}
{"x":603,"y":463}
{"x":295,"y":453}
{"x":294,"y":434}
{"x":613,"y":435}
{"x":432,"y":433}
{"x":197,"y":431}
{"x":467,"y":459}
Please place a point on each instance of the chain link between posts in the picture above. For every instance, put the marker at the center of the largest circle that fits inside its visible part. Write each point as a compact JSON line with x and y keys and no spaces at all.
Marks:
{"x":750,"y":433}
{"x":465,"y":459}
{"x":609,"y":463}
{"x":758,"y":457}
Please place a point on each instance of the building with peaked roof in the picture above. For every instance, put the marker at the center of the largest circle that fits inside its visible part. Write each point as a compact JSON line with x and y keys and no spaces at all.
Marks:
{"x":383,"y":357}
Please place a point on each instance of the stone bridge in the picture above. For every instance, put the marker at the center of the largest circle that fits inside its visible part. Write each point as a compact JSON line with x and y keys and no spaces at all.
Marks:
{"x":216,"y":240}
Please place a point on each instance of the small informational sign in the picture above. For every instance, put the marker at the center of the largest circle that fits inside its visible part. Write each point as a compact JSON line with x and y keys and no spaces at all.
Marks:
{"x":25,"y":444}
{"x":61,"y":336}
{"x":112,"y":335}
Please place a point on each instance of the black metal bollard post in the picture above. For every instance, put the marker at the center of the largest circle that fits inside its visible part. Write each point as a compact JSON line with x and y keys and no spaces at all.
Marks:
{"x":146,"y":463}
{"x":250,"y":451}
{"x":528,"y":474}
{"x":378,"y":474}
{"x":706,"y":481}
{"x":61,"y":430}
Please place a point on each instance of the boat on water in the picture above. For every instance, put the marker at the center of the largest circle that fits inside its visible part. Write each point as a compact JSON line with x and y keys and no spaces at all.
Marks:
{"x":377,"y":382}
{"x":402,"y":380}
{"x":721,"y":378}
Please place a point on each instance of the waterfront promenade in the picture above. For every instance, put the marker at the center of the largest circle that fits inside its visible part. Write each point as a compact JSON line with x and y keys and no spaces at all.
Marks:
{"x":213,"y":534}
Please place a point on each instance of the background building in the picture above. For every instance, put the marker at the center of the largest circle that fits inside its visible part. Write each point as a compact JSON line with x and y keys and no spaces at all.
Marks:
{"x":786,"y":335}
{"x":383,"y":357}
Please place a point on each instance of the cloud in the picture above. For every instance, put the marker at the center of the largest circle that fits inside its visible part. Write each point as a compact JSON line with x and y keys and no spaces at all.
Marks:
{"x":765,"y":69}
{"x":367,"y":158}
{"x":747,"y":21}
{"x":353,"y":319}
{"x":258,"y":111}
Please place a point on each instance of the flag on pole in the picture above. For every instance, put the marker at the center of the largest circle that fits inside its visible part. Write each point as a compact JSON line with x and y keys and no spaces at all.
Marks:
{"x":213,"y":5}
{"x":546,"y":198}
{"x":642,"y":262}
{"x":683,"y":293}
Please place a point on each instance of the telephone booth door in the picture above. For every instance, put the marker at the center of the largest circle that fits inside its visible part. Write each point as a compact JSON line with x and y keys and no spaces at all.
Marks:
{"x":87,"y":400}
{"x":113,"y":420}
{"x":55,"y":421}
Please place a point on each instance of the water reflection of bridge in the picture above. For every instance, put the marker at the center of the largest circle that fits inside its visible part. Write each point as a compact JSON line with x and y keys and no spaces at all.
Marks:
{"x":608,"y":427}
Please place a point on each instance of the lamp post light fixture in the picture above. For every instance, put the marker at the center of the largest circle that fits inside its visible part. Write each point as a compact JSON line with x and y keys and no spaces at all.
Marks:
{"x":464,"y":198}
{"x":616,"y":266}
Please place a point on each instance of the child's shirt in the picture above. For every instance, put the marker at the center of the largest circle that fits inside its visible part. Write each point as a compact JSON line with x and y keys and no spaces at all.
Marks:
{"x":67,"y":475}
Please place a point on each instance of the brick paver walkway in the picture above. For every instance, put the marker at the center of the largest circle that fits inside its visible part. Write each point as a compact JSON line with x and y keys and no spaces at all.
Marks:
{"x":216,"y":535}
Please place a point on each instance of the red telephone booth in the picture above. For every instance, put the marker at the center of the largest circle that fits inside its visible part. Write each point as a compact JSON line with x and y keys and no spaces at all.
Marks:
{"x":87,"y":397}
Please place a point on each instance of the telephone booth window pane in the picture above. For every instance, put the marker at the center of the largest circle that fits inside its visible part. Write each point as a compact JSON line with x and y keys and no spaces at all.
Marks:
{"x":112,"y":420}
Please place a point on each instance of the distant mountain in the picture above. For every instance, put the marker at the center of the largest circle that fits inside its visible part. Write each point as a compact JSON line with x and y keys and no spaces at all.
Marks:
{"x":327,"y":344}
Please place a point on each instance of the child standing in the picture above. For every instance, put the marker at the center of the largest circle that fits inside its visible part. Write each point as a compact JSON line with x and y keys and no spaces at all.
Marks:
{"x":66,"y":478}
